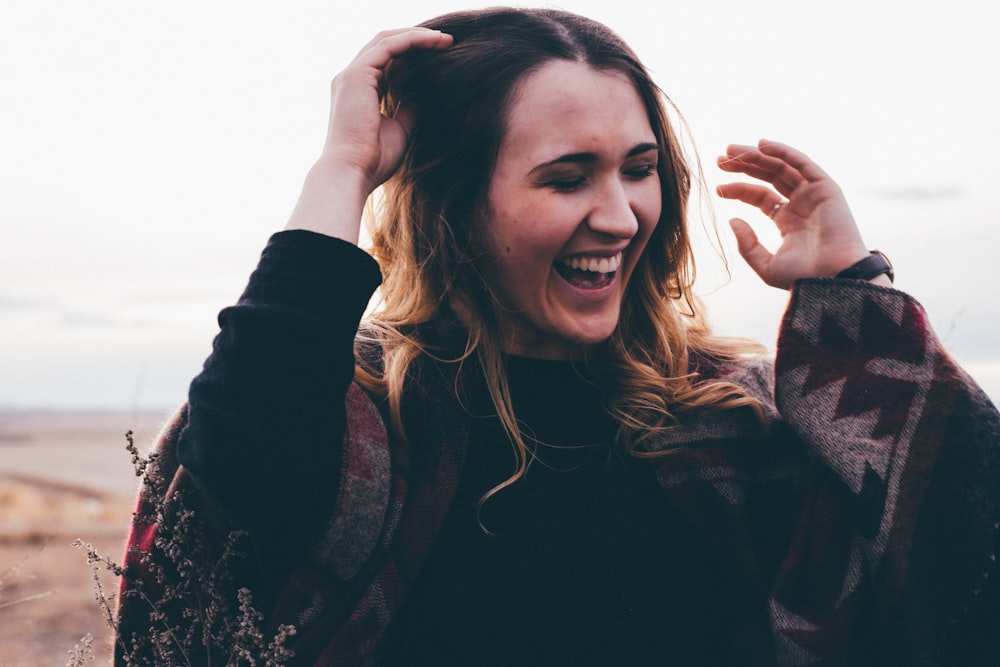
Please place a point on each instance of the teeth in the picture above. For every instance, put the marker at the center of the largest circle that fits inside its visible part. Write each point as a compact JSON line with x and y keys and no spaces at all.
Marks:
{"x":594,"y":264}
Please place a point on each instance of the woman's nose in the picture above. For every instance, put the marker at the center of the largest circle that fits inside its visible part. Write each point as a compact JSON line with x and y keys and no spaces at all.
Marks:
{"x":612,"y":212}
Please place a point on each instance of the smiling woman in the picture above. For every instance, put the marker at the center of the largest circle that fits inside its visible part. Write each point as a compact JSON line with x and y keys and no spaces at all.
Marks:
{"x":534,"y":450}
{"x":574,"y":191}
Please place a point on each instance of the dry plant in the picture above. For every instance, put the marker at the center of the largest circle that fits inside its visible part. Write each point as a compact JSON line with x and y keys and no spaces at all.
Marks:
{"x":180,"y":599}
{"x":9,"y":575}
{"x":83,"y":652}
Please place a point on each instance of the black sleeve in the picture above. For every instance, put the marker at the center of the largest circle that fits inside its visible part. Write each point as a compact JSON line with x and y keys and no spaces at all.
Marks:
{"x":266,"y":422}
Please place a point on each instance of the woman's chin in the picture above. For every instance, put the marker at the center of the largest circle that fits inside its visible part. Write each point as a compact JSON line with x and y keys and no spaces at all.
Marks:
{"x":561,"y":342}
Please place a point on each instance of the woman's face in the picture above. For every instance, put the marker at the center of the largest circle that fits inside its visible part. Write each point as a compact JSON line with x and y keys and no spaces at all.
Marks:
{"x":573,"y":200}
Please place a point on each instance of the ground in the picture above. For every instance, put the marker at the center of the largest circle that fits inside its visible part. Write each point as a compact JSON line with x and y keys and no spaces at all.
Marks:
{"x":63,"y":477}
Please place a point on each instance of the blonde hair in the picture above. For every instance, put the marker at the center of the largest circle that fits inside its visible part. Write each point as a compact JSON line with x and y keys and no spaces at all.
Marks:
{"x":425,"y":236}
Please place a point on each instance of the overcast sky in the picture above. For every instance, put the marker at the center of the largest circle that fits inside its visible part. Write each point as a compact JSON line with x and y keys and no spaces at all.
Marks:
{"x":147,"y":151}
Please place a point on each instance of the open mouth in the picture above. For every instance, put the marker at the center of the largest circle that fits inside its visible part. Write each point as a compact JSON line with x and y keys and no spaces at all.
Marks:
{"x":588,"y":272}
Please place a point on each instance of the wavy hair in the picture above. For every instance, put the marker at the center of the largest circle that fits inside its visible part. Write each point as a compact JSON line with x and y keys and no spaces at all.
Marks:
{"x":426,"y":236}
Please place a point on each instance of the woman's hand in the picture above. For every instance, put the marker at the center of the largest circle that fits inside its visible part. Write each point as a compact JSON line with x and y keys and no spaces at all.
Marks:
{"x":359,"y":136}
{"x":819,"y":237}
{"x":363,"y":147}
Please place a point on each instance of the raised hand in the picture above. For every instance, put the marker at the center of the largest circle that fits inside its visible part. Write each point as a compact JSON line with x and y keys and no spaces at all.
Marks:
{"x":359,"y":135}
{"x":363,"y":146}
{"x":819,"y":236}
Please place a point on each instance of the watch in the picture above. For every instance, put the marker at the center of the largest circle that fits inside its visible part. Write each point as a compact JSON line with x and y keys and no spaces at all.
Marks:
{"x":875,"y":264}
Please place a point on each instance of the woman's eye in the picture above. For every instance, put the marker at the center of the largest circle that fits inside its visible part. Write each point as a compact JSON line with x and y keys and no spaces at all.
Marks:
{"x":644,"y":171}
{"x":567,"y":184}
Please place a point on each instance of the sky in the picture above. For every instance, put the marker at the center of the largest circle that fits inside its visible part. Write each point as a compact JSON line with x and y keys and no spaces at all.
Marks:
{"x":148,"y":150}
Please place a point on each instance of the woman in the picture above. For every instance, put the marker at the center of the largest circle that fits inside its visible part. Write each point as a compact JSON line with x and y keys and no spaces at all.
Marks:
{"x":534,"y":451}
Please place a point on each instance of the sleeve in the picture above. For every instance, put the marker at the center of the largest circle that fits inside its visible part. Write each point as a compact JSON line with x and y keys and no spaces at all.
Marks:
{"x":909,"y":535}
{"x":266,"y":413}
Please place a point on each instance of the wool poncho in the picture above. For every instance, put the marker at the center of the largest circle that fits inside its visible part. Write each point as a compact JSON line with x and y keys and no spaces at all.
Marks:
{"x":885,"y":451}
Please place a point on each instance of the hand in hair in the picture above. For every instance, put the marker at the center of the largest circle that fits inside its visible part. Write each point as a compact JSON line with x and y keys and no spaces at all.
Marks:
{"x":819,"y":237}
{"x":363,"y":146}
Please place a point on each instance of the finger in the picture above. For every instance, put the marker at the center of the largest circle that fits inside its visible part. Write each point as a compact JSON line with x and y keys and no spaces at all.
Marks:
{"x":392,"y":43}
{"x":752,"y":162}
{"x":756,"y":255}
{"x":421,"y":34}
{"x":764,"y":198}
{"x":801,"y":162}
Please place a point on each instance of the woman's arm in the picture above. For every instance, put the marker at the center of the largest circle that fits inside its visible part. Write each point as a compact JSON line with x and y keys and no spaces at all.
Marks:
{"x":903,"y":507}
{"x":266,"y":414}
{"x":914,"y":447}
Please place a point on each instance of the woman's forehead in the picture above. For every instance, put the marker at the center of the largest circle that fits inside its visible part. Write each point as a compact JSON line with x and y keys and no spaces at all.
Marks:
{"x":568,"y":106}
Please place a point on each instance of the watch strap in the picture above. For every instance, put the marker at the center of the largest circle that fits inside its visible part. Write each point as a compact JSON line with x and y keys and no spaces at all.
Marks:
{"x":875,"y":264}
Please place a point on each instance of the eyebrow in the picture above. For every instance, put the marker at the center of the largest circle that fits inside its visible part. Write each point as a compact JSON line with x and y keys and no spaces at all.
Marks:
{"x":590,"y":158}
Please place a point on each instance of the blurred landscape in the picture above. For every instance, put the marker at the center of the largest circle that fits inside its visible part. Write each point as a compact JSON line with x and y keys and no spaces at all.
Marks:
{"x":63,"y":476}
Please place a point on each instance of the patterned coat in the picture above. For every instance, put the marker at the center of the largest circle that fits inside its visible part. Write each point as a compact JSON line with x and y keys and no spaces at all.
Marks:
{"x":884,"y":453}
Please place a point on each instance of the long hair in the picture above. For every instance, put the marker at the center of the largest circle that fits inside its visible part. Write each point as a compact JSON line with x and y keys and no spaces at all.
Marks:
{"x":428,"y":239}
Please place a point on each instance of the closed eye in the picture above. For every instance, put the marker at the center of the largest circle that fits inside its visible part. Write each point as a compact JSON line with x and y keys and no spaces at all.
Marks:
{"x":567,"y":184}
{"x":639,"y":173}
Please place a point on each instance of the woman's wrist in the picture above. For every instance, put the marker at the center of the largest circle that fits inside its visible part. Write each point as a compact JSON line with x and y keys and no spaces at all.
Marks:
{"x":881,"y":279}
{"x":332,"y":201}
{"x":875,"y":267}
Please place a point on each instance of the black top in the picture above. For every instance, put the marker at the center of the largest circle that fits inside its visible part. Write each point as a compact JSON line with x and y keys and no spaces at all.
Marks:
{"x":584,"y":564}
{"x":585,"y":561}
